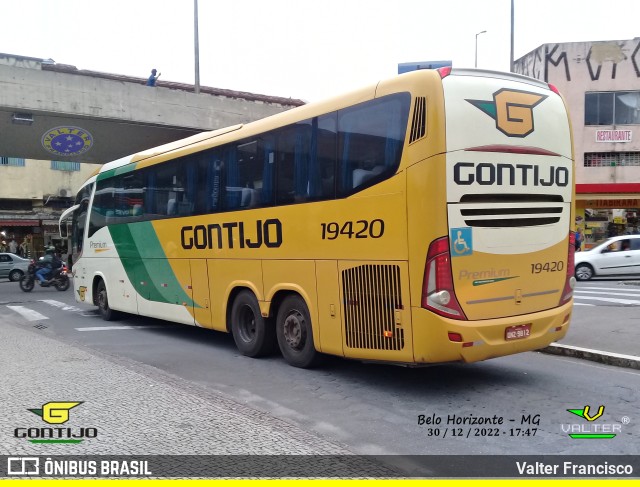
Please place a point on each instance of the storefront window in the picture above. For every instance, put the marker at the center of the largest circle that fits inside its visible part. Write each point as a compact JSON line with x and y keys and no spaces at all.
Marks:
{"x":599,"y":220}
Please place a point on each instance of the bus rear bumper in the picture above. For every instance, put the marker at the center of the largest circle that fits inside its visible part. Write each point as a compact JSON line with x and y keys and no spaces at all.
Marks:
{"x":434,"y":337}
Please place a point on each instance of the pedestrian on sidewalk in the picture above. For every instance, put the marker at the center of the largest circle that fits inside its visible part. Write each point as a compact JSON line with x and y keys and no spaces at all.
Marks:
{"x":579,"y":239}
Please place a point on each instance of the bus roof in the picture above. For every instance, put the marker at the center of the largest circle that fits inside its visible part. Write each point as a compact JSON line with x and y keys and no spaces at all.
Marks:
{"x":192,"y":143}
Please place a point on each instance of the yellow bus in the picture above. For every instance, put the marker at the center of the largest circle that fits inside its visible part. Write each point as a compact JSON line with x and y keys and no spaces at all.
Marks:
{"x":424,"y":219}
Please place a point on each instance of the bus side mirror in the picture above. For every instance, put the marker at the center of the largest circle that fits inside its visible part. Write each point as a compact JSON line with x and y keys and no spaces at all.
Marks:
{"x":64,"y":230}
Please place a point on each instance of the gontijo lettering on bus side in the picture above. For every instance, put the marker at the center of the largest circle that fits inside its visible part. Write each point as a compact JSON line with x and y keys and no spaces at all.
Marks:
{"x":267,"y":233}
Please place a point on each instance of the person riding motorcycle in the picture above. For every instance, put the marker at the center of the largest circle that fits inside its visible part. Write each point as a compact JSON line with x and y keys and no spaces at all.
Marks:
{"x":47,"y":265}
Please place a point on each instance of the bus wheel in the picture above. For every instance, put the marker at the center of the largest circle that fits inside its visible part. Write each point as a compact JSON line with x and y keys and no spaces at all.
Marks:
{"x":103,"y":304}
{"x":251,"y":332}
{"x":295,"y":336}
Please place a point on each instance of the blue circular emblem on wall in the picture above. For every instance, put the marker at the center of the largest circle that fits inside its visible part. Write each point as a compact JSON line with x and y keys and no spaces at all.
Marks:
{"x":67,"y":141}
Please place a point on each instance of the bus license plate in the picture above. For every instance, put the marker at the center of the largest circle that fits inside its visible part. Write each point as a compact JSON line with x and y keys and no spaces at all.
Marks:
{"x":517,"y":332}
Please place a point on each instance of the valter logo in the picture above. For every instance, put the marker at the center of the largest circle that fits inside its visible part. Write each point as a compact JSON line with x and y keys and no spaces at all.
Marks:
{"x":591,"y":430}
{"x":55,"y":413}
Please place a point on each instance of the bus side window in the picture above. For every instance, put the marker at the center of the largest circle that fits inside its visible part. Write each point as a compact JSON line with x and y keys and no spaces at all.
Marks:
{"x":285,"y":165}
{"x":306,"y":161}
{"x":371,"y":136}
{"x":102,"y":208}
{"x":246,"y":170}
{"x":326,"y":134}
{"x":78,"y":226}
{"x":170,"y":188}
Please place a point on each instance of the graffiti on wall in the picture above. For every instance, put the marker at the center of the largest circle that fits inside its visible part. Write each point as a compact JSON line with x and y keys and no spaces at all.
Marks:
{"x":600,"y":59}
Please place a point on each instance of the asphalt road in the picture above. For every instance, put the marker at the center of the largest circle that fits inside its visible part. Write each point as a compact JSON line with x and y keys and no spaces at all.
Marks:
{"x":372,"y":408}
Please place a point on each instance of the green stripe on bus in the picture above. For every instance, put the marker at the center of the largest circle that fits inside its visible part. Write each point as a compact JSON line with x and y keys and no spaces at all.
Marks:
{"x":148,"y":272}
{"x":117,"y":171}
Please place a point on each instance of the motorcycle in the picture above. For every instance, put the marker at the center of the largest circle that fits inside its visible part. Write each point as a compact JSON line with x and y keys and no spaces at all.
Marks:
{"x":58,"y":278}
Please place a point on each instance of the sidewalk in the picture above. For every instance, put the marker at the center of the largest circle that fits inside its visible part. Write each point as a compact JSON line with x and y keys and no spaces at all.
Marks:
{"x":611,"y":342}
{"x":136,"y":409}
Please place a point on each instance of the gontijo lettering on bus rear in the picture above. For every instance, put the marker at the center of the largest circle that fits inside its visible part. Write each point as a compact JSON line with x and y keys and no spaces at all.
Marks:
{"x":487,"y":174}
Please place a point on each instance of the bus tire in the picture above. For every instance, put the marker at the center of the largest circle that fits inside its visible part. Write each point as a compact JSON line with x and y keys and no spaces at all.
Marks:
{"x":103,"y":303}
{"x":295,"y":334}
{"x":252,"y":333}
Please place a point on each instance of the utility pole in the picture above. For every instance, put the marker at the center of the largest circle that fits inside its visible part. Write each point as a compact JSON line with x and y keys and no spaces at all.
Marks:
{"x":197,"y":46}
{"x":511,"y":58}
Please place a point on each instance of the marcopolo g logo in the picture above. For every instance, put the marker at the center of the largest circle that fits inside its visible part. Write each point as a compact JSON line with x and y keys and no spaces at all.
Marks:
{"x":512,"y":110}
{"x":55,"y":413}
{"x":591,"y":430}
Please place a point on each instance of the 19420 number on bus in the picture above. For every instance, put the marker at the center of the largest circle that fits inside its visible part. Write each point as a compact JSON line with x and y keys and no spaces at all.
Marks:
{"x":350,"y":229}
{"x":540,"y":267}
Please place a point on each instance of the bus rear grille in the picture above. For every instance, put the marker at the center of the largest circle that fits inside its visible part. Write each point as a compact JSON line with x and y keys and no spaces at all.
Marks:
{"x":372,"y":296}
{"x":511,"y":222}
{"x":511,"y":217}
{"x":510,"y":210}
{"x":419,"y":123}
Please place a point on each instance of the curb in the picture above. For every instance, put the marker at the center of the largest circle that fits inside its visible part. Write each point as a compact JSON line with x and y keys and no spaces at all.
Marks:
{"x":608,"y":358}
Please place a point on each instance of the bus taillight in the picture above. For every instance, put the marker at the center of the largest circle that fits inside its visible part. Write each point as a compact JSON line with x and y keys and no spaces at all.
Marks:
{"x":437,"y":288}
{"x":444,"y":72}
{"x":554,"y":89}
{"x":570,"y":280}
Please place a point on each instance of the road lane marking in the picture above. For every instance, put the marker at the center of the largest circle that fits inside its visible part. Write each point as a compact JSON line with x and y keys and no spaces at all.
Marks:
{"x":582,"y":304}
{"x":59,"y":304}
{"x":611,"y":300}
{"x":28,"y":314}
{"x":619,"y":288}
{"x":119,"y":327}
{"x":607,"y":294}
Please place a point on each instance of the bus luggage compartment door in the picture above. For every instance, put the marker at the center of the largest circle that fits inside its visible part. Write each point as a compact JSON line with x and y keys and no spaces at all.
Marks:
{"x":200,"y":292}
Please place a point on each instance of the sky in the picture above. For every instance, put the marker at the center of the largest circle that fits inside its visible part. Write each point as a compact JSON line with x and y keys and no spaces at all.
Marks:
{"x":300,"y":49}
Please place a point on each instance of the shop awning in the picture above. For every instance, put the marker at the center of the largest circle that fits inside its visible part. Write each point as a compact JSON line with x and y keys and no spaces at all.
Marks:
{"x":19,"y":223}
{"x":608,"y":188}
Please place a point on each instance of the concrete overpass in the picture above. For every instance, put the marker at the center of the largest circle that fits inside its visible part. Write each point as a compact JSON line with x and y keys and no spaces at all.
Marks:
{"x":52,"y":111}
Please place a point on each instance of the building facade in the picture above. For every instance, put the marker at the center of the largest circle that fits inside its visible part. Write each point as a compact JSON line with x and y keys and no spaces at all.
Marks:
{"x":600,"y":81}
{"x":50,"y":110}
{"x":33,"y":195}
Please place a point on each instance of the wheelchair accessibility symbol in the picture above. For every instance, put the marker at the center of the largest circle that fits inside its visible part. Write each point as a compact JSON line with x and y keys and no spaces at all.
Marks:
{"x":461,"y":242}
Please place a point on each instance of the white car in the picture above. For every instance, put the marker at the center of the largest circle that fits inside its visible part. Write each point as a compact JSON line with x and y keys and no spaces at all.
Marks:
{"x":615,"y":256}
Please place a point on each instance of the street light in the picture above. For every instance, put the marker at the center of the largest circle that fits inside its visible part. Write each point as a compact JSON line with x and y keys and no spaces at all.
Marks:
{"x":484,"y":31}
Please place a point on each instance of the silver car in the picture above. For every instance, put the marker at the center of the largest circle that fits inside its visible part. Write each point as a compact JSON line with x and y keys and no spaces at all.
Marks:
{"x":615,"y":256}
{"x":13,"y":266}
